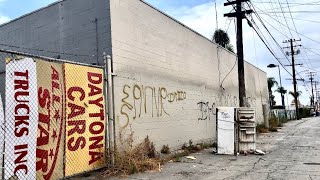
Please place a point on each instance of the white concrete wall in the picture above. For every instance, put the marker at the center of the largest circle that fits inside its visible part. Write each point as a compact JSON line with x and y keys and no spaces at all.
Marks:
{"x":168,"y":77}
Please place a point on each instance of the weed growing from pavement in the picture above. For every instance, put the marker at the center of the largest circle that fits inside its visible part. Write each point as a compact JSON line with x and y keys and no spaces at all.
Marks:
{"x":165,"y":149}
{"x":261,"y":128}
{"x":130,"y":158}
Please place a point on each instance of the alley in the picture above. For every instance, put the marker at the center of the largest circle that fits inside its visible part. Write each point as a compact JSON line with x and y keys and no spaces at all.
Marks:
{"x":292,"y":153}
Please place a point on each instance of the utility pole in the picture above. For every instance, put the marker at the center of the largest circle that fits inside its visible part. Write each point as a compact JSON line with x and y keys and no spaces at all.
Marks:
{"x":239,"y":14}
{"x":315,"y":87}
{"x":291,"y":41}
{"x":311,"y":78}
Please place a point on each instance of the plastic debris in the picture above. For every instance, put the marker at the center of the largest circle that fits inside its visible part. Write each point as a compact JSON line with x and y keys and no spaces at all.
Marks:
{"x":191,"y":157}
{"x":259,"y":152}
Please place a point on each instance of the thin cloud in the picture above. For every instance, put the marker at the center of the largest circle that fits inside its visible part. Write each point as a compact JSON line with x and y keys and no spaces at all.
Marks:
{"x":4,"y":19}
{"x":202,"y":19}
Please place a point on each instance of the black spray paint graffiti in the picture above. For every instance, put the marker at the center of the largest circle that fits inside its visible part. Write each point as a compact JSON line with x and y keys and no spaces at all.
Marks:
{"x":207,"y":111}
{"x":141,"y":99}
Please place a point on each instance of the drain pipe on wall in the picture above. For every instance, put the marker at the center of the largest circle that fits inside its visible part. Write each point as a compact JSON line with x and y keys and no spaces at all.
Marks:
{"x":111,"y":140}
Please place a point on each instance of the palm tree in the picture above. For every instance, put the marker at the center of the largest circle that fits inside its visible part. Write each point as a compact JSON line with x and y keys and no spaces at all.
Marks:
{"x":221,"y":37}
{"x":295,"y":95}
{"x":230,"y":47}
{"x":271,"y":82}
{"x":282,"y":91}
{"x":272,"y":101}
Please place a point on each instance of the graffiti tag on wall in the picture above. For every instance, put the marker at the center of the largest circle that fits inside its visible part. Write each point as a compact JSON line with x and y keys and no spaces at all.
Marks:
{"x":207,"y":110}
{"x":139,"y":100}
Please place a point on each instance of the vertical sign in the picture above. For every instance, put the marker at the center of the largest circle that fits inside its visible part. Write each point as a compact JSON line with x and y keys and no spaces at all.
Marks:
{"x":1,"y":136}
{"x":50,"y":138}
{"x":225,"y":130}
{"x":85,"y":119}
{"x":21,"y":119}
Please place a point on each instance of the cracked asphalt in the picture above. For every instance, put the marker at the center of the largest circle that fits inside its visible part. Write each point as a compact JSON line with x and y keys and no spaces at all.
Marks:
{"x":291,"y":153}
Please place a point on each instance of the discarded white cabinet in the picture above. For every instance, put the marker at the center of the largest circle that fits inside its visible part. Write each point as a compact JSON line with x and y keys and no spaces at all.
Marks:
{"x":236,"y":130}
{"x":225,"y":130}
{"x":246,"y":129}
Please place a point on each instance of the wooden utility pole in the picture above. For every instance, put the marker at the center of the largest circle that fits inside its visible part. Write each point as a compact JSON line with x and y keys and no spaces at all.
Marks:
{"x":239,"y":14}
{"x":315,"y":88}
{"x":311,"y":75}
{"x":291,"y":41}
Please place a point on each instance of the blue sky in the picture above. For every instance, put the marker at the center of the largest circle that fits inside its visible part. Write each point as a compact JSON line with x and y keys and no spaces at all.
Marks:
{"x":168,"y":4}
{"x":200,"y":16}
{"x":15,"y":8}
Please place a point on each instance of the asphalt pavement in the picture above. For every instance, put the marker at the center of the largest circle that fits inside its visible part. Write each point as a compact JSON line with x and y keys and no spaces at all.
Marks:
{"x":291,"y":153}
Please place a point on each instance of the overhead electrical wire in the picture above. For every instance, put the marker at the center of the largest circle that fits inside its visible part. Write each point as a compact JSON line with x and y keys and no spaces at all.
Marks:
{"x":283,"y":17}
{"x":266,"y":2}
{"x":281,"y":12}
{"x":297,"y":5}
{"x":266,"y":43}
{"x":296,"y":30}
{"x":288,"y":27}
{"x":273,"y":38}
{"x":267,"y":46}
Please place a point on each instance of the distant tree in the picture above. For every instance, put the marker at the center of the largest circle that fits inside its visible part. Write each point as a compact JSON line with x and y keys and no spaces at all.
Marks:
{"x":295,"y":95}
{"x":221,"y":37}
{"x":230,"y":47}
{"x":282,"y":91}
{"x":272,"y":101}
{"x":271,"y":83}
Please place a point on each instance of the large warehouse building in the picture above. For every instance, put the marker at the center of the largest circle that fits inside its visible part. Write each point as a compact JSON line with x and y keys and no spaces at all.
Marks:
{"x":168,"y":79}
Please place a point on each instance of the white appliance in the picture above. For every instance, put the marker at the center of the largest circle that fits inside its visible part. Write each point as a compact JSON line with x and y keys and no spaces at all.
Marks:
{"x":225,"y":130}
{"x":236,"y":130}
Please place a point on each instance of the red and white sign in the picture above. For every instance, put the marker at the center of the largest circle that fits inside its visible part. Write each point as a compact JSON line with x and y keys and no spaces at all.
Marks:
{"x":1,"y":135}
{"x":21,"y":119}
{"x":51,"y":131}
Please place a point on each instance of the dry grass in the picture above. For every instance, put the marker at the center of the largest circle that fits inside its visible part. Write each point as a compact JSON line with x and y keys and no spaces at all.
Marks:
{"x":131,"y":158}
{"x":165,"y":149}
{"x":261,"y":129}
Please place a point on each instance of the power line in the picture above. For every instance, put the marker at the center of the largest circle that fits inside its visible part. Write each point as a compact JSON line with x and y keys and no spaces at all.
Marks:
{"x":306,"y":59}
{"x":308,"y":49}
{"x":294,"y":18}
{"x":266,"y":2}
{"x":311,"y":12}
{"x":268,"y":48}
{"x":295,"y":27}
{"x":273,"y":39}
{"x":296,"y":5}
{"x":259,"y":18}
{"x":287,"y":26}
{"x":283,"y":17}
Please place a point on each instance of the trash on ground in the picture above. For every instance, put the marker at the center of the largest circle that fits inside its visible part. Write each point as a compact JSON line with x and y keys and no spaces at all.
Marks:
{"x":259,"y":152}
{"x":191,"y":157}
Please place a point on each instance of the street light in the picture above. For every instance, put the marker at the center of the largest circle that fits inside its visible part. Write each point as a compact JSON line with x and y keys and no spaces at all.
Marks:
{"x":282,"y":96}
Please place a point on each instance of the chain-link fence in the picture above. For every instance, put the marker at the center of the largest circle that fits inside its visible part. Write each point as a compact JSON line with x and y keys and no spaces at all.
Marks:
{"x":53,"y":119}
